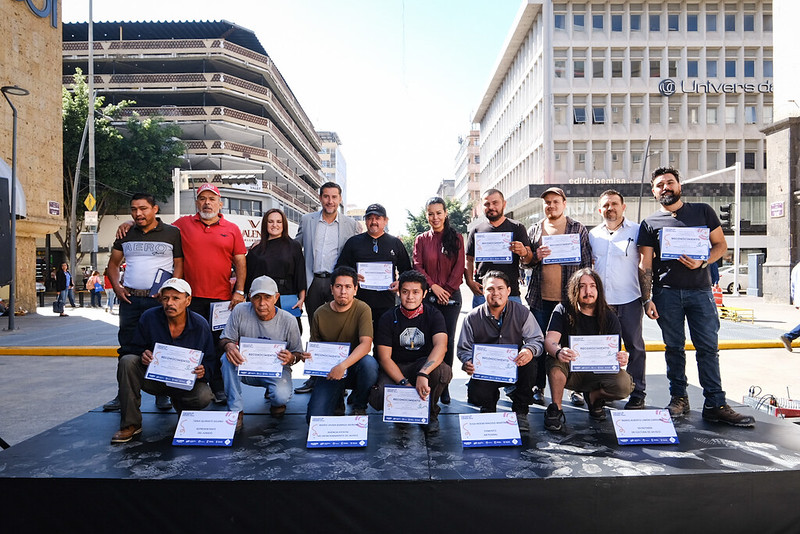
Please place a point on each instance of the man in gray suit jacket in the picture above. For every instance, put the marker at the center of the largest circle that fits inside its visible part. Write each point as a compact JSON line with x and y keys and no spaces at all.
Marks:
{"x":322,"y":235}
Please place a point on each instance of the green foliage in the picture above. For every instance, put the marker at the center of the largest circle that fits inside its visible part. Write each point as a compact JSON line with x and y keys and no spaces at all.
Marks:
{"x":459,"y":219}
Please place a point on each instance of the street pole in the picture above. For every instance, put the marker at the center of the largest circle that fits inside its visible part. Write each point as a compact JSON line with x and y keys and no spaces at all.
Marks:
{"x":92,"y":186}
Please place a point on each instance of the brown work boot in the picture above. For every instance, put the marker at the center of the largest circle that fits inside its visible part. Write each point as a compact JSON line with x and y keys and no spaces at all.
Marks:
{"x":277,"y":411}
{"x":239,"y":421}
{"x":126,"y":434}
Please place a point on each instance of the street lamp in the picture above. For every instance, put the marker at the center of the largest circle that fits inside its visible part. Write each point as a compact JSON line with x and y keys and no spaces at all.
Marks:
{"x":13,"y":90}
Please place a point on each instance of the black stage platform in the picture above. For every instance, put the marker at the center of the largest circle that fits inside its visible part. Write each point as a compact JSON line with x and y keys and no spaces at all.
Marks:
{"x":718,"y":479}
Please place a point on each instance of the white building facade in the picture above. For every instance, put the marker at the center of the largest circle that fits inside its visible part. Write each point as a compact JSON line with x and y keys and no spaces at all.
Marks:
{"x":467,"y":171}
{"x":334,"y":167}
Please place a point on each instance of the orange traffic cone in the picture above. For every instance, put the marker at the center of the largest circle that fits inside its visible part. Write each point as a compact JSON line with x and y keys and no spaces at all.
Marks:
{"x":717,"y":295}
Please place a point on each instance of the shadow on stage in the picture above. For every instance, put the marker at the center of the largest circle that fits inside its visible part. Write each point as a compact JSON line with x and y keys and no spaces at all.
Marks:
{"x":718,"y":479}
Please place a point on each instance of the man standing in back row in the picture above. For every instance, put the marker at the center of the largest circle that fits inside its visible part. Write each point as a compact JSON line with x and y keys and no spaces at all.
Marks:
{"x":682,"y":288}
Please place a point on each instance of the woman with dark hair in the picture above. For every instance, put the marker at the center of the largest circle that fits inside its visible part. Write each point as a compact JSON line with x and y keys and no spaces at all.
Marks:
{"x":439,"y":255}
{"x":280,"y":258}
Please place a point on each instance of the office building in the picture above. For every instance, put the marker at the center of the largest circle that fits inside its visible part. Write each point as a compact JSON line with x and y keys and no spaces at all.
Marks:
{"x":334,"y":167}
{"x":467,"y":172}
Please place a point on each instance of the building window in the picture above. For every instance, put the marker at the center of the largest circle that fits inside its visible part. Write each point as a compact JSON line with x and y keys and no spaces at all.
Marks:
{"x":711,"y":68}
{"x":616,"y":114}
{"x":580,"y":161}
{"x":691,"y":68}
{"x":579,"y":115}
{"x":560,"y":68}
{"x":616,"y":69}
{"x":655,"y":114}
{"x":694,"y":160}
{"x":598,"y":160}
{"x":730,"y":114}
{"x":730,"y":68}
{"x":577,"y":22}
{"x":711,"y":115}
{"x":597,"y":22}
{"x":730,"y":159}
{"x":616,"y":160}
{"x":560,"y":22}
{"x":636,"y":68}
{"x":767,"y":22}
{"x":560,"y":161}
{"x":712,"y":160}
{"x":655,"y":68}
{"x":655,"y":23}
{"x":577,"y":68}
{"x":559,"y":114}
{"x":598,"y":115}
{"x":749,"y":68}
{"x":749,"y":114}
{"x":636,"y":22}
{"x":749,"y":23}
{"x":673,"y":22}
{"x":672,"y":68}
{"x":636,"y":113}
{"x":711,"y":22}
{"x":616,"y":23}
{"x":767,"y":111}
{"x":691,"y":22}
{"x":694,"y":114}
{"x":674,"y":114}
{"x":730,"y":23}
{"x":597,"y":69}
{"x":767,"y":68}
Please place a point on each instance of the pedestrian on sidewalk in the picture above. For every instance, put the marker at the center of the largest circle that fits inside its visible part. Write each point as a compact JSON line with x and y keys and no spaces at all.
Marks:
{"x":95,"y":286}
{"x":794,"y":293}
{"x":111,"y":298}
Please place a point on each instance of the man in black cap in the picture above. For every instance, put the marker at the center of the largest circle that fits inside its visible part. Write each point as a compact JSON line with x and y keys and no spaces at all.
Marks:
{"x":369,"y":249}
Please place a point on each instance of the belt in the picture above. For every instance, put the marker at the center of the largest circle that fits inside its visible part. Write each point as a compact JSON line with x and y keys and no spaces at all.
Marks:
{"x":322,"y":275}
{"x":138,"y":292}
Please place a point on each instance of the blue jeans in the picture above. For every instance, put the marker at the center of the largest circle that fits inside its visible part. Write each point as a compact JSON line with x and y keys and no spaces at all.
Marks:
{"x":65,"y":294}
{"x":698,"y":308}
{"x":794,"y":333}
{"x":477,"y":300}
{"x":326,"y":394}
{"x":279,"y":389}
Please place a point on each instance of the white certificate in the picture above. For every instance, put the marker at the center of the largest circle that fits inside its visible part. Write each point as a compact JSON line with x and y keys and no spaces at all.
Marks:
{"x":638,"y":427}
{"x":495,"y":363}
{"x":208,"y":429}
{"x":324,"y":357}
{"x":261,"y":357}
{"x":596,"y":354}
{"x":493,"y":246}
{"x":489,"y":429}
{"x":564,"y":248}
{"x":682,"y":241}
{"x":174,"y":365}
{"x":342,"y":431}
{"x":401,"y":404}
{"x":219,"y":314}
{"x":378,"y":275}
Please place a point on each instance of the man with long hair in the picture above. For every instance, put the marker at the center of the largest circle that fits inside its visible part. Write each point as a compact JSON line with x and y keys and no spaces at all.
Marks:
{"x":584,"y":313}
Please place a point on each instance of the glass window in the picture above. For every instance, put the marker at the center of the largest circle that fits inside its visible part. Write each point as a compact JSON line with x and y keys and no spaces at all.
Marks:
{"x":712,"y":160}
{"x":730,"y":159}
{"x":730,"y":114}
{"x":655,"y":114}
{"x":560,"y":22}
{"x":694,"y":160}
{"x":711,"y":68}
{"x":577,"y":22}
{"x":749,"y":114}
{"x":730,"y":23}
{"x":711,"y":115}
{"x":636,"y":68}
{"x":560,"y":114}
{"x":691,"y":68}
{"x":767,"y":22}
{"x":730,"y":68}
{"x":694,"y":114}
{"x":674,"y":114}
{"x":711,"y":22}
{"x":767,"y":111}
{"x":560,"y":160}
{"x":560,"y":68}
{"x":580,"y":160}
{"x":579,"y":115}
{"x":673,"y":22}
{"x":767,"y":68}
{"x":691,"y":22}
{"x":749,"y":68}
{"x":616,"y":23}
{"x":616,"y":114}
{"x":749,"y":22}
{"x":578,"y":68}
{"x":672,"y":68}
{"x":636,"y":22}
{"x":597,"y":69}
{"x":598,"y":115}
{"x":597,"y":22}
{"x":655,"y":68}
{"x":616,"y":69}
{"x":655,"y":23}
{"x":636,"y":113}
{"x":616,"y":160}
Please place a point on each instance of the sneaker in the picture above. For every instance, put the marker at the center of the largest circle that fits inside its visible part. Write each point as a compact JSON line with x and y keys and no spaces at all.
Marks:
{"x":538,"y":396}
{"x":433,"y":425}
{"x":554,"y":418}
{"x":726,"y":414}
{"x":112,"y":405}
{"x":277,"y":411}
{"x":359,"y":411}
{"x":787,"y":342}
{"x":126,"y":434}
{"x":220,"y":397}
{"x":635,"y":403}
{"x":577,"y":399}
{"x":523,"y":423}
{"x":163,"y":402}
{"x":307,"y":386}
{"x":596,"y":409}
{"x":678,"y":406}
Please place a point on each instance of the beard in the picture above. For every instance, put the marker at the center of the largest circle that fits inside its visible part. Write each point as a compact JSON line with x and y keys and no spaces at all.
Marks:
{"x":668,"y":199}
{"x":206,"y":216}
{"x":495,"y":216}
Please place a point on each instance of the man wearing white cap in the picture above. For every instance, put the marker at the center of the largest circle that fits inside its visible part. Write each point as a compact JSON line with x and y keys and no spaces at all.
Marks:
{"x":260,"y":318}
{"x":171,"y":324}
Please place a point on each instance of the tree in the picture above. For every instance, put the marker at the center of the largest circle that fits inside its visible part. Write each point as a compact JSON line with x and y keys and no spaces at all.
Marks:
{"x":137,"y":155}
{"x":417,"y":224}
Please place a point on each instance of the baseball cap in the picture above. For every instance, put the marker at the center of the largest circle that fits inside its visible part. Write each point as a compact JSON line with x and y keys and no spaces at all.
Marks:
{"x":177,"y":284}
{"x":208,"y":187}
{"x":375,"y":209}
{"x":557,"y":190}
{"x":263,"y":284}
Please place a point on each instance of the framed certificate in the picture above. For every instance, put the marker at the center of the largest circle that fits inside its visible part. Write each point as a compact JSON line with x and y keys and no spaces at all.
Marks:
{"x":596,"y":354}
{"x":401,"y":404}
{"x":342,"y":431}
{"x":493,"y":246}
{"x":495,"y":363}
{"x":644,"y":427}
{"x":174,"y":365}
{"x":564,"y":248}
{"x":206,"y":429}
{"x":324,"y":357}
{"x":220,"y":314}
{"x":261,"y":357}
{"x":378,"y":275}
{"x":683,"y":241}
{"x":489,"y":430}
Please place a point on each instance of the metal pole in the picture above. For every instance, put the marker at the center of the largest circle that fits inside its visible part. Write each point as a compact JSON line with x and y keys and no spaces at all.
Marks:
{"x":92,"y":188}
{"x":12,"y":293}
{"x":73,"y":224}
{"x":737,"y":202}
{"x":644,"y":169}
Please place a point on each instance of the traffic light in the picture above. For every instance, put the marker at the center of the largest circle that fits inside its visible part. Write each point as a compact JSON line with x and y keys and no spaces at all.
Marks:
{"x":725,"y":213}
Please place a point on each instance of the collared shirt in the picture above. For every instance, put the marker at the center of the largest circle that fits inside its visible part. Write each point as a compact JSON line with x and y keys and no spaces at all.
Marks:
{"x":326,"y":245}
{"x":147,"y":252}
{"x":616,"y":260}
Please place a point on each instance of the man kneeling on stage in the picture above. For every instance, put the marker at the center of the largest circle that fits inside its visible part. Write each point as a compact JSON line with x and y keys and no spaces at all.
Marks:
{"x":171,"y":324}
{"x":410,"y":345}
{"x":586,"y":313}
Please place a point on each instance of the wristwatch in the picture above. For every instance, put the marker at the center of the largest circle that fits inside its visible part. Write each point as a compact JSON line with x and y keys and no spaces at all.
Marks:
{"x":240,"y":292}
{"x":403,"y":382}
{"x":704,"y":264}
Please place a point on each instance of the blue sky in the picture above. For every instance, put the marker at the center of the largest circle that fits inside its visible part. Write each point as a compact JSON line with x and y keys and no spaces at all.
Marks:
{"x":398,"y":80}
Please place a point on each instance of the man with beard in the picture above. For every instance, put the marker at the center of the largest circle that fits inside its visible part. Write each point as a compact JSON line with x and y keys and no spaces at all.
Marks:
{"x":616,"y":261}
{"x":494,"y":205}
{"x":584,"y":313}
{"x":682,"y":288}
{"x":548,"y":284}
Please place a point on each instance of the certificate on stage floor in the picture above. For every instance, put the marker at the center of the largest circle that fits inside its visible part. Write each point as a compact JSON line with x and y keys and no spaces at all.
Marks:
{"x":206,"y":429}
{"x":220,"y":314}
{"x":644,"y":427}
{"x":495,"y":363}
{"x":324,"y":357}
{"x":489,"y":430}
{"x":261,"y":357}
{"x":174,"y":365}
{"x":378,"y":275}
{"x":401,"y":404}
{"x":493,"y":246}
{"x":564,"y":248}
{"x":342,"y":431}
{"x":596,"y":354}
{"x":682,"y":241}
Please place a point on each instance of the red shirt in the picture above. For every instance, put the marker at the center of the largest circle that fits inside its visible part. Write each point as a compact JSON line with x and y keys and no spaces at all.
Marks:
{"x":446,"y":271}
{"x":208,"y":252}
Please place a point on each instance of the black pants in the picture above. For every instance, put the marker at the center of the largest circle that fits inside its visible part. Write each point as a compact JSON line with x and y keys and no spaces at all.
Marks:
{"x":451,"y":313}
{"x":485,"y":394}
{"x":318,"y":294}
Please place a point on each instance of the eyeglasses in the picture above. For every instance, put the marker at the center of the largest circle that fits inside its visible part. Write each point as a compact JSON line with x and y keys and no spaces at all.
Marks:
{"x":375,"y":246}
